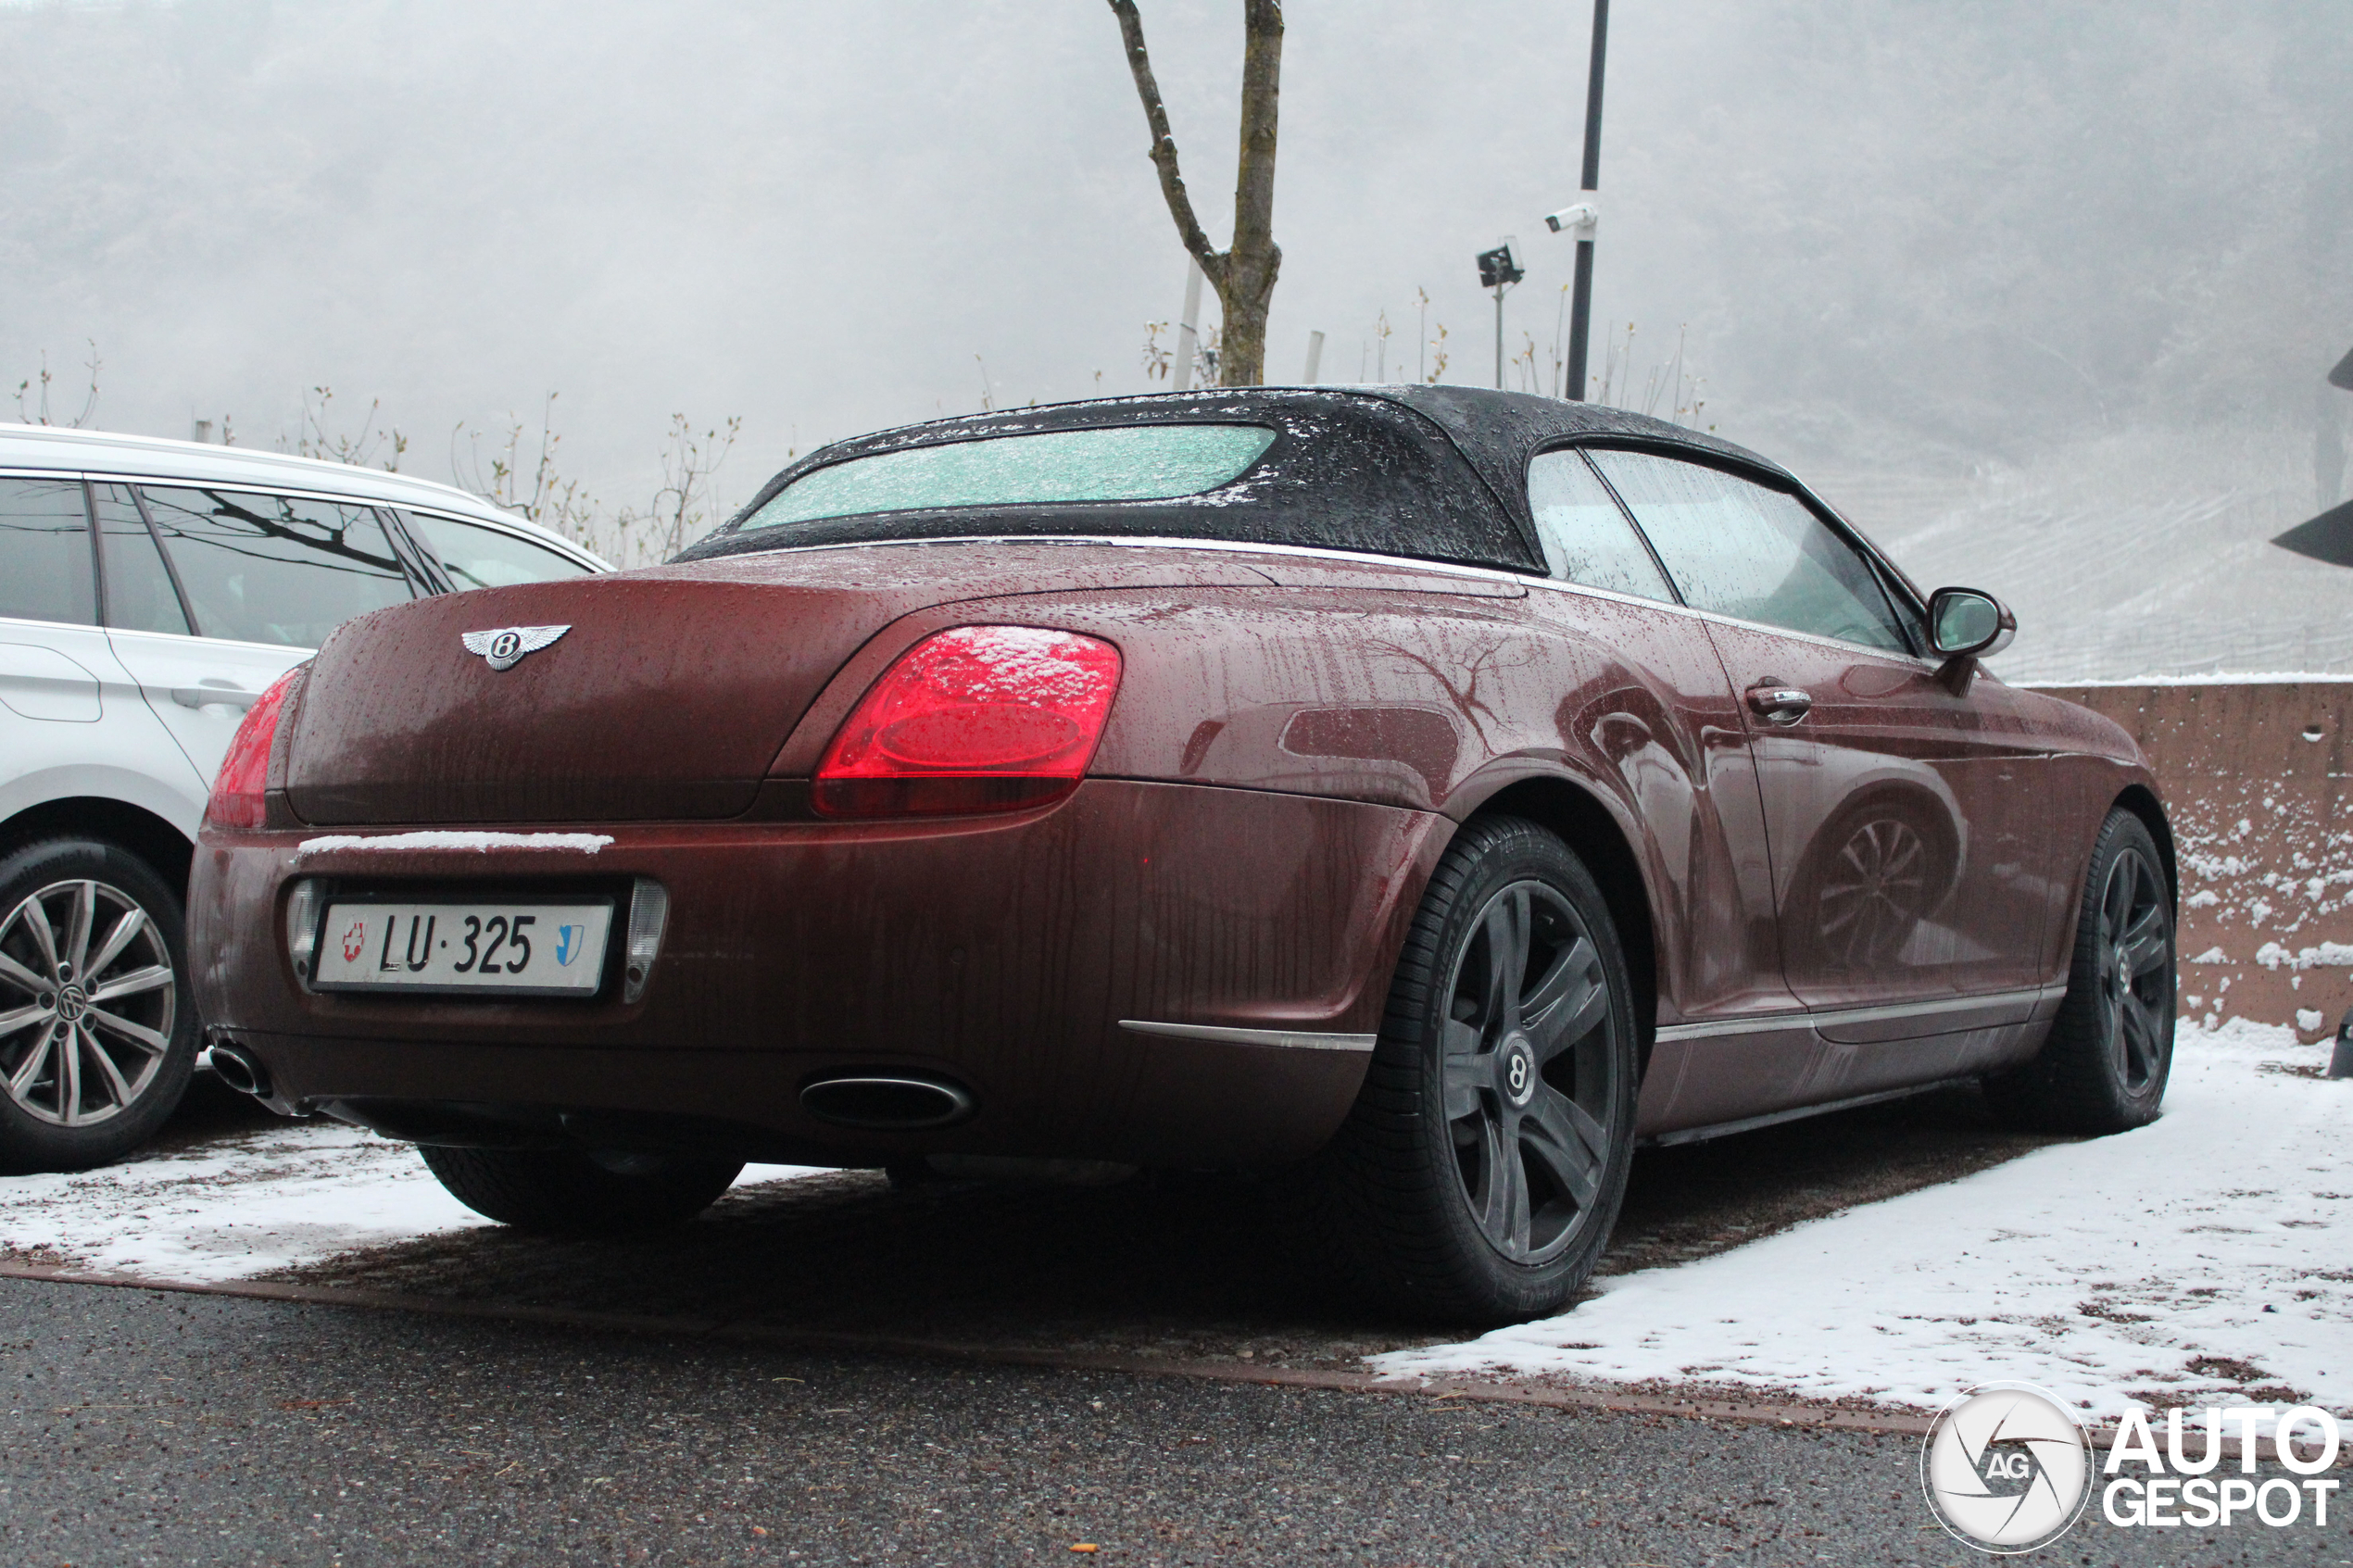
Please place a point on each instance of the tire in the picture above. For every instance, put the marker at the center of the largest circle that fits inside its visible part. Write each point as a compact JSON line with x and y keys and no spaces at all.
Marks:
{"x":569,"y":1192}
{"x":2103,"y":1067}
{"x":97,"y":1020}
{"x":1482,"y":1169}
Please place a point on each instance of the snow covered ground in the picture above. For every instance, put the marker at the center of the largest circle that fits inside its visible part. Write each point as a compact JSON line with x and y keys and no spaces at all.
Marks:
{"x":2206,"y":1255}
{"x":240,"y":1206}
{"x":2204,"y":1259}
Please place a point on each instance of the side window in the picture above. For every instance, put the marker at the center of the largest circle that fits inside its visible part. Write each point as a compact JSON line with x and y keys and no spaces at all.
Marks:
{"x":1587,"y":539}
{"x":1741,"y":549}
{"x":275,"y":569}
{"x":140,"y":596}
{"x":476,"y":557}
{"x":45,"y":570}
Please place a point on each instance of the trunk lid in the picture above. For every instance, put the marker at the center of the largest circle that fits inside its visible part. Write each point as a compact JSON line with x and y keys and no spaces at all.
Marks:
{"x":668,"y":697}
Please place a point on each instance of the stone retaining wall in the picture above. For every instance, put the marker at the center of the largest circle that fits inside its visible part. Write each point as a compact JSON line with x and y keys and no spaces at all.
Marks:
{"x":2255,"y":775}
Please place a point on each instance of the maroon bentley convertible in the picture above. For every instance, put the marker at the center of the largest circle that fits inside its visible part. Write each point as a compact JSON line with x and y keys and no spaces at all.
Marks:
{"x":1435,"y":791}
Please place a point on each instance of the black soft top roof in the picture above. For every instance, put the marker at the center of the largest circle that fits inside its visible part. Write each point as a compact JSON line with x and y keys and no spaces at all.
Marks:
{"x":1432,"y":472}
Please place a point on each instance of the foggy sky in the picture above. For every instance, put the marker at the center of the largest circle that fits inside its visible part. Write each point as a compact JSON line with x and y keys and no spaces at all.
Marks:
{"x":1889,"y":231}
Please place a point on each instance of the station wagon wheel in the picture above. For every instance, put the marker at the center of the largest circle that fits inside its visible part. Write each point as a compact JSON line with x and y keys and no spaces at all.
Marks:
{"x":2104,"y":1066}
{"x":95,"y":1037}
{"x":1478,"y":1175}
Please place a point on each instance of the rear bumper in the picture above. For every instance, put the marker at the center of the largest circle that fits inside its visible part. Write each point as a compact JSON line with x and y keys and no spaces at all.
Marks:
{"x":1000,"y":954}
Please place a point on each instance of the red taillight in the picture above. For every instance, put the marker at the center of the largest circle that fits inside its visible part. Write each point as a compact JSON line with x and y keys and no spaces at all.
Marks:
{"x":245,"y":773}
{"x":979,"y":719}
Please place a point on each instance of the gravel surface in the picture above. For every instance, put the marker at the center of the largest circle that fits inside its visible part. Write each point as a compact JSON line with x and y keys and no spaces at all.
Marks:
{"x":142,"y":1428}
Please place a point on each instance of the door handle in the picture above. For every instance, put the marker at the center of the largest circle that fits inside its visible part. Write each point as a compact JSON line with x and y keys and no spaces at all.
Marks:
{"x":1780,"y":705}
{"x":211,"y":696}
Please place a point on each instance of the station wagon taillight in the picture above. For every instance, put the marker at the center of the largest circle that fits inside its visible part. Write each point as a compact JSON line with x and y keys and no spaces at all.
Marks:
{"x":245,"y":773}
{"x":978,"y":719}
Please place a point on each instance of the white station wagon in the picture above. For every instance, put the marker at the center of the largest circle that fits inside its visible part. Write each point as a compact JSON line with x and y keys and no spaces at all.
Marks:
{"x":150,"y":591}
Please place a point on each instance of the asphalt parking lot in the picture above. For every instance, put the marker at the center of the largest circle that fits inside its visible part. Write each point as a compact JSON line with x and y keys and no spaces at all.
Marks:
{"x":766,"y":1408}
{"x":142,"y":1427}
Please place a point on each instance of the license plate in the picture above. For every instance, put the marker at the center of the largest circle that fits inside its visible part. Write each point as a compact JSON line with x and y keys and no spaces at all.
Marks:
{"x":513,"y":949}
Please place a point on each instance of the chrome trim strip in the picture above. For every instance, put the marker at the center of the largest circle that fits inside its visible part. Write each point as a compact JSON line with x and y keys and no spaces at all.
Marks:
{"x":1891,"y":655}
{"x":309,"y":488}
{"x":1286,"y":1039}
{"x":2027,"y":996}
{"x":1752,"y":1023}
{"x":1795,"y":1113}
{"x":1360,"y":557}
{"x":2033,"y":996}
{"x":1175,"y":542}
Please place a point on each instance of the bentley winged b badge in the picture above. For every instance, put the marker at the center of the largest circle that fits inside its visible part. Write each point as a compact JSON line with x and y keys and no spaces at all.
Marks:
{"x":502,"y":648}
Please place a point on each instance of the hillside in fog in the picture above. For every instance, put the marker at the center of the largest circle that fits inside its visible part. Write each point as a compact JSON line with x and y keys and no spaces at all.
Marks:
{"x":2048,"y":290}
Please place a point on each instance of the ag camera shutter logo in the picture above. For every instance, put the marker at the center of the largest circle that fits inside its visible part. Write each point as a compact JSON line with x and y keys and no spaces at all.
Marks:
{"x":2006,"y":1468}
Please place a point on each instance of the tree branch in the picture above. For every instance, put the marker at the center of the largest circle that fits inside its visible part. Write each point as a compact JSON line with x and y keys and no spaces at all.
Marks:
{"x":1163,"y":153}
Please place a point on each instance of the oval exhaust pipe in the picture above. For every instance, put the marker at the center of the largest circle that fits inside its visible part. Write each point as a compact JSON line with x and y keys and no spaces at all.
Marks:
{"x":887,"y":1102}
{"x":241,"y":1070}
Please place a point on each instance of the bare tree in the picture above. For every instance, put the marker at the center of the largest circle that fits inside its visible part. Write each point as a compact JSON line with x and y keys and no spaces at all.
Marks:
{"x":682,"y":509}
{"x":39,"y":415}
{"x":313,"y":438}
{"x":1243,"y":275}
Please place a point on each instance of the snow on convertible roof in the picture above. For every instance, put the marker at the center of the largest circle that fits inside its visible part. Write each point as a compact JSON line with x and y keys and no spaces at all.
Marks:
{"x":1431,"y":473}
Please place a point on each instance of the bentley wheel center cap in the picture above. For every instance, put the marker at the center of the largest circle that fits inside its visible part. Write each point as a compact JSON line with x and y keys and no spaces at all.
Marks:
{"x":1519,"y":1072}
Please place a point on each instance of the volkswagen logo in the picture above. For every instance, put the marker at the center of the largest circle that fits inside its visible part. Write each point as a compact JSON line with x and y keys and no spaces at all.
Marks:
{"x":2006,"y":1468}
{"x":70,"y":1003}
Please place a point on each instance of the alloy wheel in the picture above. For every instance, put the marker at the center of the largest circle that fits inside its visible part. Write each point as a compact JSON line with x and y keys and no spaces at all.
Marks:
{"x":1529,"y":1071}
{"x":2135,"y":970}
{"x":88,"y":998}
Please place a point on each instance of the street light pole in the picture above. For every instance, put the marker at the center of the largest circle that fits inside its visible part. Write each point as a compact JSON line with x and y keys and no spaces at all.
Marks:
{"x":1499,"y":338}
{"x":1499,"y":269}
{"x":1580,"y":310}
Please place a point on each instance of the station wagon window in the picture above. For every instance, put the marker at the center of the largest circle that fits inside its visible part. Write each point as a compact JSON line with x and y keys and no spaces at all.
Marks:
{"x":276,"y":569}
{"x":476,"y":557}
{"x":44,"y":552}
{"x":1153,"y":462}
{"x":140,"y":596}
{"x":1587,"y":539}
{"x":1739,"y":550}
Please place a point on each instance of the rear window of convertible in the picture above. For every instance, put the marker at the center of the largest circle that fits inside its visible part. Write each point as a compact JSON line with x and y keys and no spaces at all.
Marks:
{"x":1155,"y":462}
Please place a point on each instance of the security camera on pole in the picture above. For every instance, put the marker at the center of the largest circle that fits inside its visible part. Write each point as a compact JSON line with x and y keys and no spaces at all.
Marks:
{"x":1580,"y":218}
{"x":1499,"y":269}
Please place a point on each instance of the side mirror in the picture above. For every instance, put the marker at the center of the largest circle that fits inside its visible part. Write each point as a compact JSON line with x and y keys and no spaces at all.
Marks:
{"x":1966,"y":623}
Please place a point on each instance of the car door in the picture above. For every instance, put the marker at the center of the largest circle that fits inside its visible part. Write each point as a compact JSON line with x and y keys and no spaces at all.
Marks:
{"x":71,"y":721}
{"x":1667,"y":722}
{"x":1898,"y":800}
{"x":222,"y":591}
